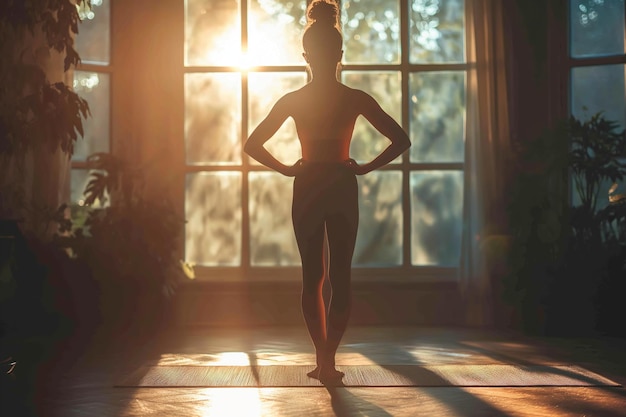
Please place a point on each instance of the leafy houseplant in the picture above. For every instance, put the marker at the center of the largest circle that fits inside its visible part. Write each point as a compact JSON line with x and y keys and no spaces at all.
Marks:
{"x":597,"y":157}
{"x":130,"y":240}
{"x":38,"y":111}
{"x":562,"y":257}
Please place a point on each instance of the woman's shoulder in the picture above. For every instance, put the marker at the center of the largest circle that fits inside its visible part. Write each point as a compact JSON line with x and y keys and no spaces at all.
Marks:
{"x":358,"y":98}
{"x":357,"y":93}
{"x":288,"y":99}
{"x":294,"y":96}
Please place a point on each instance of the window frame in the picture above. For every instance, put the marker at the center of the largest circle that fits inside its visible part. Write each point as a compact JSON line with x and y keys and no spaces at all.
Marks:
{"x":405,"y":272}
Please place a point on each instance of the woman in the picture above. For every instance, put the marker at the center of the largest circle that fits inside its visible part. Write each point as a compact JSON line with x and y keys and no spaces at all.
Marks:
{"x":325,"y":195}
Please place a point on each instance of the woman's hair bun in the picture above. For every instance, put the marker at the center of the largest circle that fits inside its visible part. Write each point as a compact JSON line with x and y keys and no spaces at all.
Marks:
{"x":322,"y":11}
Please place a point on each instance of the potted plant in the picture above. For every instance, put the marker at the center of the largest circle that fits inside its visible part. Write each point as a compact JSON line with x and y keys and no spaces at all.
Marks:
{"x":561,"y":252}
{"x":40,"y":121}
{"x":597,"y":151}
{"x":130,"y":240}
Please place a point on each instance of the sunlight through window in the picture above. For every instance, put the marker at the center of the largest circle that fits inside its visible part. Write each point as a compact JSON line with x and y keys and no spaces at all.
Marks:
{"x":214,"y":36}
{"x":233,"y":359}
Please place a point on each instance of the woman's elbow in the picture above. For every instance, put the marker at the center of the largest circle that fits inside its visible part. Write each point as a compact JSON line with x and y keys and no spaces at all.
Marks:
{"x":404,"y":143}
{"x":248,"y":147}
{"x":407,"y":143}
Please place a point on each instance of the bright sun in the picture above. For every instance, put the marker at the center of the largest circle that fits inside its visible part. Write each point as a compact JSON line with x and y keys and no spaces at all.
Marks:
{"x":226,"y":47}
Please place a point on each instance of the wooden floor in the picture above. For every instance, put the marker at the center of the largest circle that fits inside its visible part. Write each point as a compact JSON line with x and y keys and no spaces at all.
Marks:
{"x":86,"y":389}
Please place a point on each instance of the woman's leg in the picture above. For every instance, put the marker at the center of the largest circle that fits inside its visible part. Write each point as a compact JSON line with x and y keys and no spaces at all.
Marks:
{"x":313,"y":310}
{"x":341,"y":229}
{"x":308,"y":223}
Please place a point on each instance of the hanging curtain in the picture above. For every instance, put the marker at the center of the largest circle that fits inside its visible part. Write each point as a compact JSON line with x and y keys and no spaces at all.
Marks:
{"x":487,"y":149}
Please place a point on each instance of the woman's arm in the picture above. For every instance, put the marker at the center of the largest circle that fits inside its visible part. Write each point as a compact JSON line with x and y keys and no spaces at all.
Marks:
{"x":254,"y":146}
{"x":387,"y":126}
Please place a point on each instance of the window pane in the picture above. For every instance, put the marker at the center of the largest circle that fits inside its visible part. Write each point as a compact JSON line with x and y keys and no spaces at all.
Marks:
{"x":436,"y":217}
{"x":265,"y":89}
{"x":212,"y":32}
{"x":371,"y":30}
{"x":213,"y":118}
{"x":272,"y":240}
{"x":599,"y":88}
{"x":93,"y":87}
{"x":437,"y":111}
{"x":78,"y":183}
{"x":437,"y":31}
{"x":596,"y":27}
{"x":213,"y":214}
{"x":385,"y":87}
{"x":379,"y":240}
{"x":275,"y":32}
{"x":93,"y":41}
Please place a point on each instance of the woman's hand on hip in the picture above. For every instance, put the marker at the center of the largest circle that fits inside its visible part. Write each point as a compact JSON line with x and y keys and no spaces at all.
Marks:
{"x":294,"y":169}
{"x":356,"y":168}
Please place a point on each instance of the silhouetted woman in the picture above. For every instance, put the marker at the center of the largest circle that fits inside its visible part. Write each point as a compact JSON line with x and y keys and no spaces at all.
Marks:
{"x":325,"y":195}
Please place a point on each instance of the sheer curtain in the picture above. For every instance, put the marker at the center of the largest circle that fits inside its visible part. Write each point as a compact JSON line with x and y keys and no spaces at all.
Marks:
{"x":487,"y":149}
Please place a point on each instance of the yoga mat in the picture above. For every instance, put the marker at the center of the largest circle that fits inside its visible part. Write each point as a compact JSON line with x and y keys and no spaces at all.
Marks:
{"x":486,"y":375}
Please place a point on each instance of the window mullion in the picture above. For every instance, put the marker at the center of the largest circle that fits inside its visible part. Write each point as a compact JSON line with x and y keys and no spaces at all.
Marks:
{"x":245,"y":224}
{"x":245,"y":163}
{"x":406,"y":189}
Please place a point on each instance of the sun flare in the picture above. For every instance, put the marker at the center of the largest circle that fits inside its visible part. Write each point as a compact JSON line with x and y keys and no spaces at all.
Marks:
{"x":266,"y":45}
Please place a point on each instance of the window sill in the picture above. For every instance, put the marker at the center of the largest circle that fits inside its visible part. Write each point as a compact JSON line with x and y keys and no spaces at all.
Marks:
{"x":267,"y":275}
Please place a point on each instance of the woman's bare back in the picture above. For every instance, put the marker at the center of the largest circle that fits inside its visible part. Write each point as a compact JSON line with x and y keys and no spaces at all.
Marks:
{"x":325,"y":116}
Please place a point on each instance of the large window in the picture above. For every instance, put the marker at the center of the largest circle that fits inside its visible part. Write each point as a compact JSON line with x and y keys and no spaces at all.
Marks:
{"x":92,"y":82}
{"x":597,"y":64}
{"x":241,"y":55}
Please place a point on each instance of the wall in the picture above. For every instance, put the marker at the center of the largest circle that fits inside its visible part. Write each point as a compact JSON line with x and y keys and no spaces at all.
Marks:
{"x":253,"y":304}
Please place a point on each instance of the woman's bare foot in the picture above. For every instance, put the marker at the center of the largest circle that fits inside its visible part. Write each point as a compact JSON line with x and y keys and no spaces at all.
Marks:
{"x":315,"y":373}
{"x":326,"y":374}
